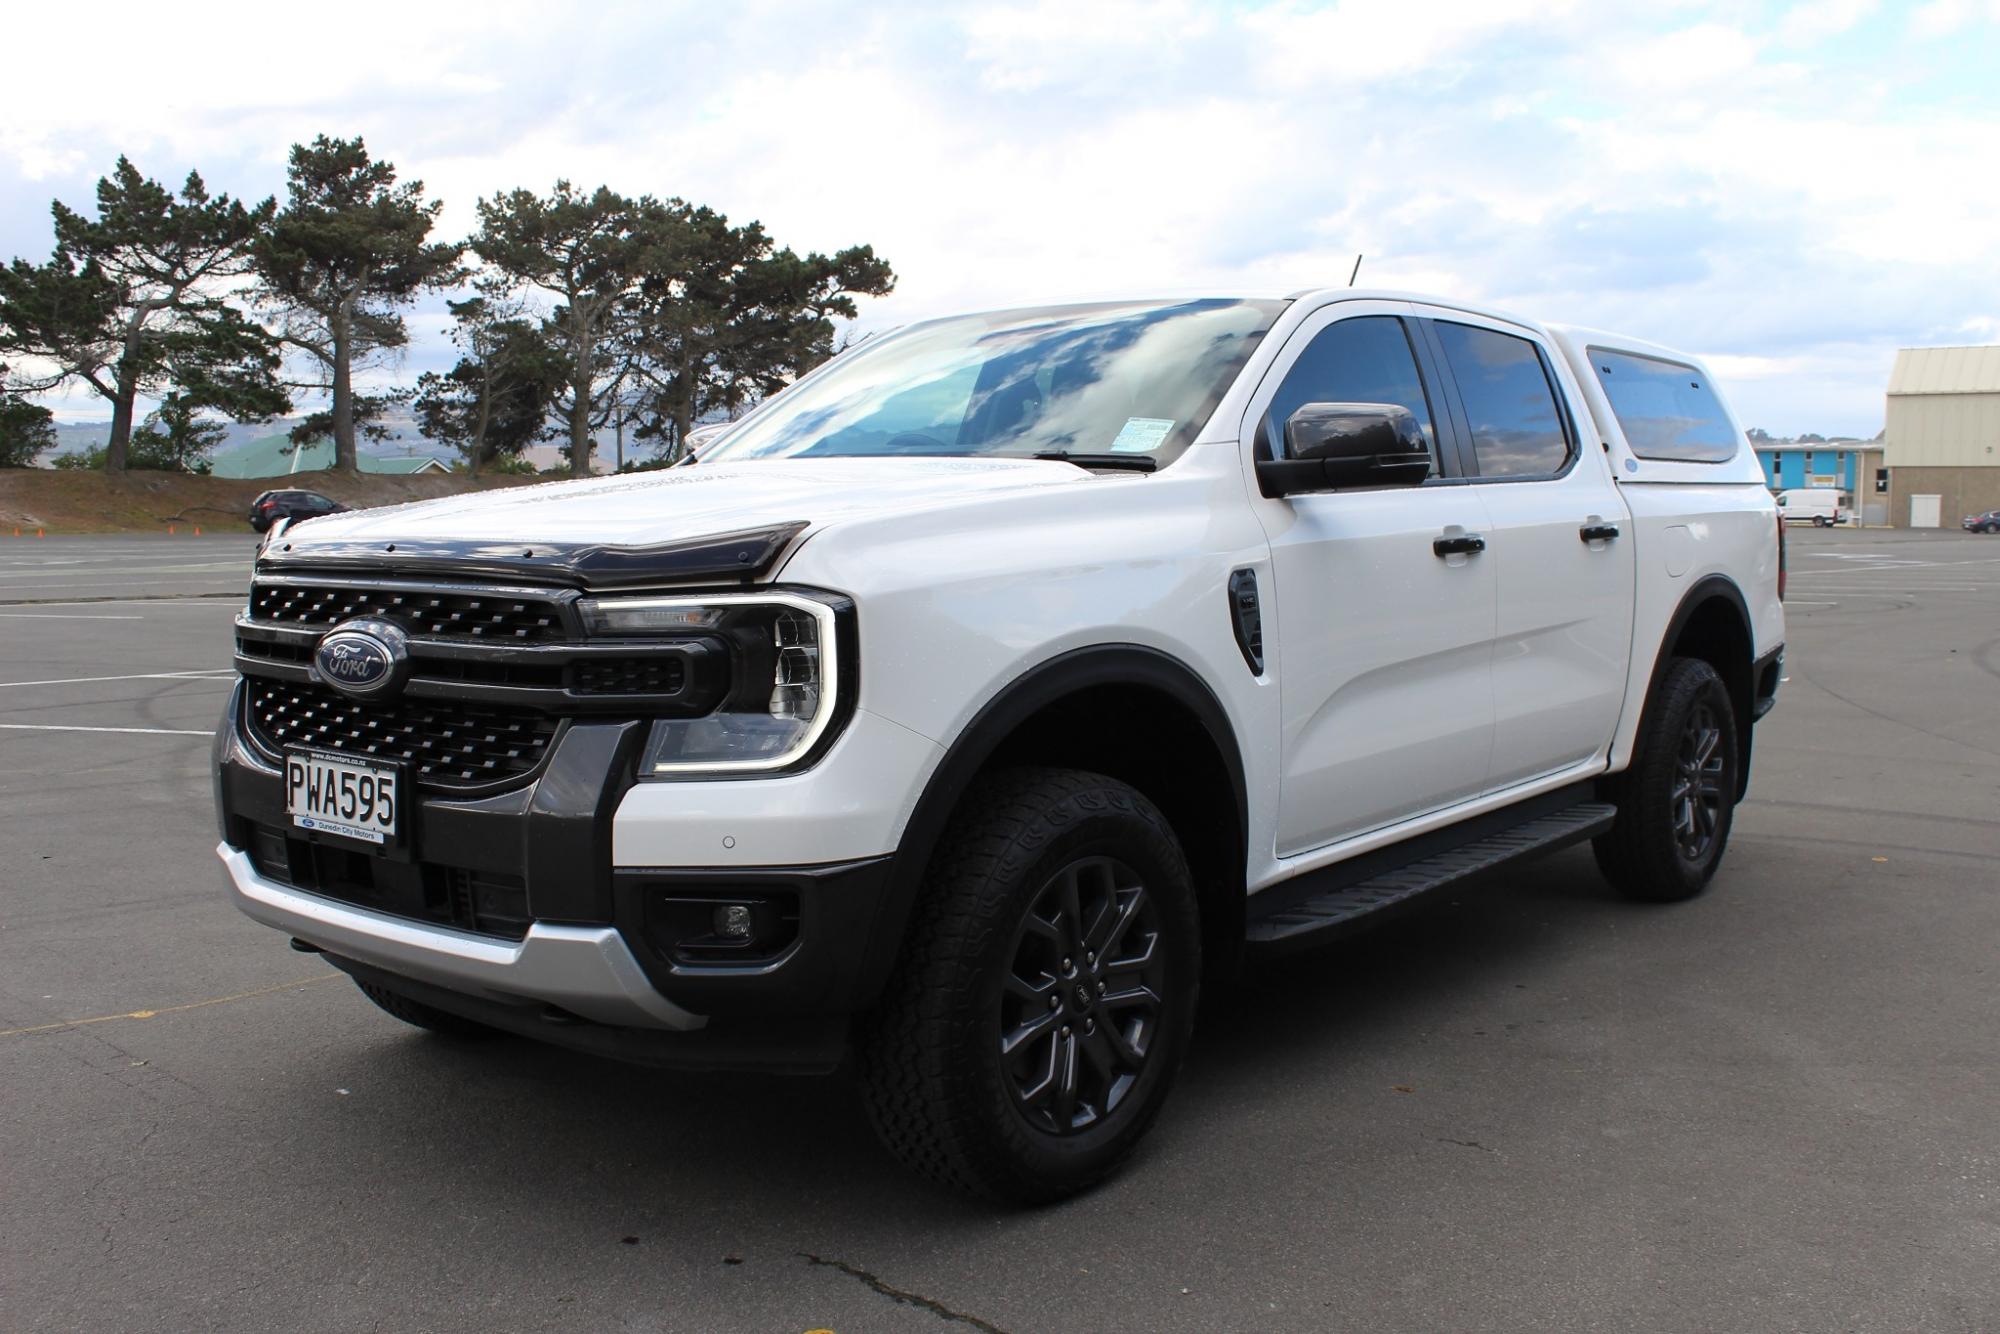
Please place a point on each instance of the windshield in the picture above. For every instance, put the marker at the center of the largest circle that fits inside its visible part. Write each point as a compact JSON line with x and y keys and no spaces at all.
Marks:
{"x":1134,"y":379}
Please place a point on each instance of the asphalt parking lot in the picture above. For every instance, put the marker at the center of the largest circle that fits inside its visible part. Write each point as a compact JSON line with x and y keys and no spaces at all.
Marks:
{"x":1527,"y":1107}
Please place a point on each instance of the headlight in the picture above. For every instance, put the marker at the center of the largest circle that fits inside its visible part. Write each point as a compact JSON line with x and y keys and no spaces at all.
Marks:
{"x":785,"y":676}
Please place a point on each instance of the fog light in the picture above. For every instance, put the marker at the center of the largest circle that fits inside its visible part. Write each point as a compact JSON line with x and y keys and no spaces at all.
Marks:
{"x":732,"y":921}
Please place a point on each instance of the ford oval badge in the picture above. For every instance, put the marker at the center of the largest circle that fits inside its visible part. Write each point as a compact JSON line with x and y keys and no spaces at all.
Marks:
{"x":361,"y":658}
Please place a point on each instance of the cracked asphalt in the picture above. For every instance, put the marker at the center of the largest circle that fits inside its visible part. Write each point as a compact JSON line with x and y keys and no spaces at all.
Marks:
{"x":1526,"y":1106}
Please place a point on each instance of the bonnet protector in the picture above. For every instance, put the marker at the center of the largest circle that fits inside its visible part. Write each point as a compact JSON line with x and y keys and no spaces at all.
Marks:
{"x":740,"y":555}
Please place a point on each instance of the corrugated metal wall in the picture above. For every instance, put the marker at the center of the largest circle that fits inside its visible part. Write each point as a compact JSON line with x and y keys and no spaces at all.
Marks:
{"x":1944,"y":430}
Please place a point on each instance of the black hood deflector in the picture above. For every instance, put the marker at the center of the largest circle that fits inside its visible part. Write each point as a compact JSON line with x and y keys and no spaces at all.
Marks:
{"x":741,"y":555}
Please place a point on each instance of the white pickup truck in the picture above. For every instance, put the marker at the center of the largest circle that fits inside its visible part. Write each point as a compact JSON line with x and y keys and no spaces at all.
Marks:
{"x":979,"y":696}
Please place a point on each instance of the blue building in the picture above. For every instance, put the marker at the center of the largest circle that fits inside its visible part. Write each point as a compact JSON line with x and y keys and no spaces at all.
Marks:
{"x":1790,"y":465}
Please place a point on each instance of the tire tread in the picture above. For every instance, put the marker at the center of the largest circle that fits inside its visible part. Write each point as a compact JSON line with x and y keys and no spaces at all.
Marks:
{"x":924,"y":1103}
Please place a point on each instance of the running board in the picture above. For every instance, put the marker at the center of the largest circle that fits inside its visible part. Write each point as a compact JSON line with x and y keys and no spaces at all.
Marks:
{"x":1311,"y":920}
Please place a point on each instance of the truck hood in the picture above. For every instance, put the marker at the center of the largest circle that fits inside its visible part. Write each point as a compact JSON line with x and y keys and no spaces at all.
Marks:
{"x":680,"y":504}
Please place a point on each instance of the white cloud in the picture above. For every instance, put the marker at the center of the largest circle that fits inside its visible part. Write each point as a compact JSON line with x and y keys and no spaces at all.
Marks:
{"x":1689,"y":172}
{"x":1363,"y":41}
{"x":1941,"y":18}
{"x":1816,"y":20}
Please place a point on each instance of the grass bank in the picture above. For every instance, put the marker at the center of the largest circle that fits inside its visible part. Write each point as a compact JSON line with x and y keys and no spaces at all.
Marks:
{"x":61,"y":501}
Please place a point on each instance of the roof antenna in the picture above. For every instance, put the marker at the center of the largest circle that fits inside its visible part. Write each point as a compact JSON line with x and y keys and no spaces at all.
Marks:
{"x":1357,"y":271}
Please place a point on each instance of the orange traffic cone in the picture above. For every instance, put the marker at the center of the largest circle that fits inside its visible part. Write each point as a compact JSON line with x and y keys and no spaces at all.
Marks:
{"x":38,"y":532}
{"x":197,"y":530}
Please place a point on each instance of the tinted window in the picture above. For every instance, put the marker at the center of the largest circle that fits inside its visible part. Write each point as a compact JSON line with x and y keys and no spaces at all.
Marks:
{"x":1666,"y":410}
{"x":1516,"y":426}
{"x":1363,"y":360}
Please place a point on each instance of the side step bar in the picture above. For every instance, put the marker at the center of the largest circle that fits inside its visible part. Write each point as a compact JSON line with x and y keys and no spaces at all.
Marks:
{"x":1334,"y":911}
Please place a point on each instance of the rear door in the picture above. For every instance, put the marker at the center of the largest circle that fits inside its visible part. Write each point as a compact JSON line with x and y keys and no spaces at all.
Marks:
{"x":1560,"y":546}
{"x":1384,"y":645}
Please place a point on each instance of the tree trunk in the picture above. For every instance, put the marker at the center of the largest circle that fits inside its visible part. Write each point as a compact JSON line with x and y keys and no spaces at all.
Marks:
{"x":683,"y":423}
{"x":579,"y":430}
{"x":479,"y":429}
{"x":579,"y":413}
{"x":117,"y":450}
{"x":343,"y":395}
{"x":621,"y":437}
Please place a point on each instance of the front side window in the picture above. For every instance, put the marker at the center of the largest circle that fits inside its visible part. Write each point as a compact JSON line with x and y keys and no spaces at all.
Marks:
{"x":1367,"y":359}
{"x":1516,"y":426}
{"x":1135,"y":378}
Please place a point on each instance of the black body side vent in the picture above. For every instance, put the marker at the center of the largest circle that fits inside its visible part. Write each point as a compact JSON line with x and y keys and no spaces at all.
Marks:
{"x":1248,"y":619}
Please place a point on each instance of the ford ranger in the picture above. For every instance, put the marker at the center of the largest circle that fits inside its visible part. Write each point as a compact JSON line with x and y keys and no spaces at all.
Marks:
{"x":981,"y":695}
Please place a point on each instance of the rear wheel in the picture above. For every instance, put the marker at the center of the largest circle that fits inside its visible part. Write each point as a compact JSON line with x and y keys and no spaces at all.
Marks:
{"x":1677,"y":801}
{"x":427,"y":1017}
{"x":1044,"y":1001}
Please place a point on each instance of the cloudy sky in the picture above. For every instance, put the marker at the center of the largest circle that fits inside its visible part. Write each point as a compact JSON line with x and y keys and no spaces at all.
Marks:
{"x":1792,"y":190}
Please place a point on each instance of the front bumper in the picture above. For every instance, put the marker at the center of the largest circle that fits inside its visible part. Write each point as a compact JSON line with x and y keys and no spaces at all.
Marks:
{"x":582,"y":970}
{"x":508,"y":906}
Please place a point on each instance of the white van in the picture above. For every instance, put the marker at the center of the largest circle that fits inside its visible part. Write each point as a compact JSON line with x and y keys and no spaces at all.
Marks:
{"x":1822,"y":506}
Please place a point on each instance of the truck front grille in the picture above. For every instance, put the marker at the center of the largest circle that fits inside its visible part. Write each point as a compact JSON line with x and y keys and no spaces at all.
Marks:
{"x":497,"y":617}
{"x":448,"y":744}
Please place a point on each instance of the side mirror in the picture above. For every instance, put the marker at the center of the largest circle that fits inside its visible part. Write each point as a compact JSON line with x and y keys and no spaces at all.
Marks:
{"x":1339,"y":446}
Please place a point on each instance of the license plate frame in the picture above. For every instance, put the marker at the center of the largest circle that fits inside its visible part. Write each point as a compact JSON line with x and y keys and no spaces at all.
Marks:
{"x":363,"y":822}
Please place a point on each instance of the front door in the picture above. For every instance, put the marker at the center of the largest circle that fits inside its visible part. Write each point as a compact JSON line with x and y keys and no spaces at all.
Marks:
{"x":1384,"y":646}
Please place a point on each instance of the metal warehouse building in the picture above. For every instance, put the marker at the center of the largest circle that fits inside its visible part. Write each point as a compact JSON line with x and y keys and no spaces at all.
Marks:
{"x":1943,"y":435}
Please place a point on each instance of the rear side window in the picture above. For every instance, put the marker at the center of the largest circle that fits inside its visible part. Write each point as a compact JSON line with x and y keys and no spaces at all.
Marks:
{"x":1362,"y":360}
{"x":1517,"y":428}
{"x":1667,"y":410}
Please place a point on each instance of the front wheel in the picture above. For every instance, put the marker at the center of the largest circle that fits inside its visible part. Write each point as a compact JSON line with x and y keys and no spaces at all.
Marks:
{"x":1677,"y":801}
{"x":1047,"y":989}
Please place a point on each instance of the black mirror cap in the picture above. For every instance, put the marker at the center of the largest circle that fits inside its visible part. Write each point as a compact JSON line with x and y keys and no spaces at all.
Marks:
{"x":1338,"y":446}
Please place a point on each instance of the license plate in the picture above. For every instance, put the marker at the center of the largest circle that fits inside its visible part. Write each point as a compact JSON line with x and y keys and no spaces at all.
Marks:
{"x":332,"y":794}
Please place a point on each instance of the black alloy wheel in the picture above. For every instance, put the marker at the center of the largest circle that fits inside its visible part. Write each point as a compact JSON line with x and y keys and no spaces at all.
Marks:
{"x":1046,"y":991}
{"x":1082,"y":997}
{"x":1677,"y":799}
{"x":1698,"y":798}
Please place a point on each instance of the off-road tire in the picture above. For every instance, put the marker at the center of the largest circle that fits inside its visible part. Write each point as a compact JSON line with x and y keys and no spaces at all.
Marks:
{"x":427,"y":1017}
{"x":941,"y":1095}
{"x":1645,"y":854}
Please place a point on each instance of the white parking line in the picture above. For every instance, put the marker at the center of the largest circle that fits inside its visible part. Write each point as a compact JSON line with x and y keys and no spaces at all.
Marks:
{"x":1892,"y":567}
{"x":233,"y":601}
{"x":207,"y":674}
{"x":60,"y":616}
{"x":59,"y":727}
{"x":120,"y":581}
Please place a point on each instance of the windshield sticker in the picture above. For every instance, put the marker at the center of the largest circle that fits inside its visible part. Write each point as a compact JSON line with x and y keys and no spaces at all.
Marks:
{"x":1141,"y":434}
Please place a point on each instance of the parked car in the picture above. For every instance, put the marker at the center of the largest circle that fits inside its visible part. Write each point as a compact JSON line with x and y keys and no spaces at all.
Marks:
{"x":1821,"y":506}
{"x":1988,"y":522}
{"x":993,"y":685}
{"x":272,"y":506}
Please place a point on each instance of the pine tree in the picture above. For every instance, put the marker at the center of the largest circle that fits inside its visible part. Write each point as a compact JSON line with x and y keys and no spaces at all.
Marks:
{"x":138,"y":299}
{"x":350,"y":249}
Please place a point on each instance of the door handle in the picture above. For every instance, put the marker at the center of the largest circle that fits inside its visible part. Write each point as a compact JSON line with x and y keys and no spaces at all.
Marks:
{"x":1598,"y":532}
{"x":1459,"y":544}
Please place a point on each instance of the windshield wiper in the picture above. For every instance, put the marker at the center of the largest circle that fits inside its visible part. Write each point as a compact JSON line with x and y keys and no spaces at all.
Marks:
{"x":1120,"y":462}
